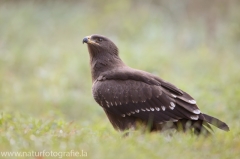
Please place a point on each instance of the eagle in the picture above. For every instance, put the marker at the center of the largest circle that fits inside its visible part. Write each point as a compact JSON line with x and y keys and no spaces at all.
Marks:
{"x":132,"y":97}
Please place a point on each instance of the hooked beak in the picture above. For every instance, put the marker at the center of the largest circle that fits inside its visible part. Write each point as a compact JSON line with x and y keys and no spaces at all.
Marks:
{"x":86,"y":39}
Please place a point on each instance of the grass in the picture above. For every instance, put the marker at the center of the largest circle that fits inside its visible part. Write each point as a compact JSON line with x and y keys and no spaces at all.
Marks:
{"x":45,"y":92}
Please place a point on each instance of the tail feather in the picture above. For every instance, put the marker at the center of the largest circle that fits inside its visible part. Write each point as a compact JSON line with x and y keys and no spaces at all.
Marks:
{"x":216,"y":122}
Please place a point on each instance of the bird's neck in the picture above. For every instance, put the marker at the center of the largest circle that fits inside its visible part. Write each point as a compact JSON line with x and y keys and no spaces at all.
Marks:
{"x":100,"y":64}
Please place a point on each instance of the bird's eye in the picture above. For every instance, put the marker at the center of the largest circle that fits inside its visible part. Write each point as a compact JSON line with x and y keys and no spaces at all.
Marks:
{"x":100,"y":39}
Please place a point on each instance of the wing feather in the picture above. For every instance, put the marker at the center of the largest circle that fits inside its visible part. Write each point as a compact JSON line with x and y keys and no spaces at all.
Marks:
{"x":140,"y":100}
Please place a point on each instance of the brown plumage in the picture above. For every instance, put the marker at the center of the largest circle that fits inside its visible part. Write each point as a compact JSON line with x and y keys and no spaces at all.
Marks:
{"x":129,"y":96}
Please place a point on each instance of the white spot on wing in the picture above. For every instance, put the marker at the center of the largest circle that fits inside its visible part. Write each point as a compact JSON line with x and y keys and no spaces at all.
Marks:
{"x":163,"y":108}
{"x":172,"y":104}
{"x":174,"y":96}
{"x":158,"y":109}
{"x":116,"y":103}
{"x":133,"y":112}
{"x":194,"y":117}
{"x":123,"y":115}
{"x":192,"y":101}
{"x":147,"y":109}
{"x":152,"y":109}
{"x":143,"y":110}
{"x":171,"y":107}
{"x":128,"y":114}
{"x":137,"y":111}
{"x":196,"y":111}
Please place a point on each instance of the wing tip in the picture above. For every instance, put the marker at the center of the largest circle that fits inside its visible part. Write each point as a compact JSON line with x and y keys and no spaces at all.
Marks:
{"x":216,"y":122}
{"x":224,"y":127}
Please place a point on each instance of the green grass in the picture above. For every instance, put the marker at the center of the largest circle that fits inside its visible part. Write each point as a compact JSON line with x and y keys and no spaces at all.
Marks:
{"x":45,"y":85}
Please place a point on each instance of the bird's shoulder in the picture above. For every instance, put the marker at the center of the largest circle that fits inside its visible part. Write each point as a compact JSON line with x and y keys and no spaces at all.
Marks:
{"x":128,"y":73}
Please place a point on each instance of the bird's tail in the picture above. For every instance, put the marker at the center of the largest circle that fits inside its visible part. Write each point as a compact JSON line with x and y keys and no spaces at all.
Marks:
{"x":216,"y":122}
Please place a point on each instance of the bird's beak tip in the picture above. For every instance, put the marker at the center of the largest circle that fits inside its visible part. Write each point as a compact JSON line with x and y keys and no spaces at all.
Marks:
{"x":85,"y":40}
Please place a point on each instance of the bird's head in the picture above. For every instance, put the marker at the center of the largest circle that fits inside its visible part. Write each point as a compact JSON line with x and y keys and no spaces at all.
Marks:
{"x":98,"y":44}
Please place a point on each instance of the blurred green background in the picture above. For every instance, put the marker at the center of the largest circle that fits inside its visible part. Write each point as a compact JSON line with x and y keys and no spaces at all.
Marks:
{"x":45,"y":84}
